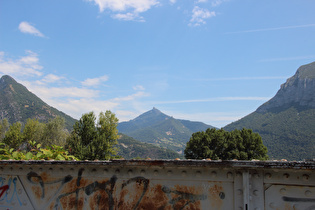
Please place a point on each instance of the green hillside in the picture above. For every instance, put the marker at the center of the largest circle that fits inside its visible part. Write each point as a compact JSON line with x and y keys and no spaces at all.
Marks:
{"x":169,"y":134}
{"x":157,"y":128}
{"x":19,"y":104}
{"x":195,"y":126}
{"x":130,"y":148}
{"x":288,"y":134}
{"x":286,"y":123}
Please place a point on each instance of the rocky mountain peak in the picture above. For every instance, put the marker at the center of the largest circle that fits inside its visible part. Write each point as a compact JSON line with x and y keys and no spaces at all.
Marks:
{"x":17,"y":103}
{"x":298,"y":90}
{"x":6,"y":80}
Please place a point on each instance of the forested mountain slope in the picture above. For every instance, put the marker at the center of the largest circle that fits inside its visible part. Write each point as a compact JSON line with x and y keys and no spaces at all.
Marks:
{"x":130,"y":148}
{"x":286,"y":122}
{"x":162,"y":130}
{"x":17,"y":103}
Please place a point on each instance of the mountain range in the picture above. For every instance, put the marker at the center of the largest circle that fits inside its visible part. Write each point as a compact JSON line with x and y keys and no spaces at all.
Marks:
{"x":17,"y":104}
{"x":159,"y":129}
{"x":286,"y":122}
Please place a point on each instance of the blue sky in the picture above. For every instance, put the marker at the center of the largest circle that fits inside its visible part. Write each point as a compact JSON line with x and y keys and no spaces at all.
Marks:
{"x":213,"y":61}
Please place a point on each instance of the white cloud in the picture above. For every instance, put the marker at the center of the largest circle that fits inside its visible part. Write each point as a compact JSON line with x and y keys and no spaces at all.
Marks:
{"x":202,"y":1}
{"x":47,"y":93}
{"x":216,"y":3}
{"x":77,"y":107}
{"x":27,"y":28}
{"x":128,"y":17}
{"x":25,"y":66}
{"x":172,"y":1}
{"x":76,"y":101}
{"x":131,"y":7}
{"x":95,"y":81}
{"x":132,"y":97}
{"x":124,"y":115}
{"x":123,"y":5}
{"x":138,"y":87}
{"x":52,"y":78}
{"x":199,"y":15}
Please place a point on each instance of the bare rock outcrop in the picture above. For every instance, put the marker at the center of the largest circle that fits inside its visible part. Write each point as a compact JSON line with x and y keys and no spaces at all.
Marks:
{"x":298,"y":91}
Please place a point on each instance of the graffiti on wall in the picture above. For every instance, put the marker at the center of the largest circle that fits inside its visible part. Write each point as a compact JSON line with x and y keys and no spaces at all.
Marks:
{"x":78,"y":192}
{"x":8,"y":191}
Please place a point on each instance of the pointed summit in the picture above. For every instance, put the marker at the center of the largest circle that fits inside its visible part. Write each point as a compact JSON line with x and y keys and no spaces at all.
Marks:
{"x":8,"y":85}
{"x":6,"y":79}
{"x":144,"y":120}
{"x":159,"y":129}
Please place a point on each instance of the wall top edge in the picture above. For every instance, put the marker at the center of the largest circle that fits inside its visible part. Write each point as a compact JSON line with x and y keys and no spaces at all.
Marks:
{"x":174,"y":163}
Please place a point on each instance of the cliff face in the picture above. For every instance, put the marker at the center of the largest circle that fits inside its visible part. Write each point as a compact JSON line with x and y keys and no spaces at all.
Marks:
{"x":298,"y":91}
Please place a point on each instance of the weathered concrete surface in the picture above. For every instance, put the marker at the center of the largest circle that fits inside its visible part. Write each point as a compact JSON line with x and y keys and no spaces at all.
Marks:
{"x":157,"y":184}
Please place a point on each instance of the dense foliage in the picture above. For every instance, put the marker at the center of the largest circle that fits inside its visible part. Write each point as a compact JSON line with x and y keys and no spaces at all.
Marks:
{"x":287,"y":133}
{"x":90,"y":140}
{"x":39,"y":141}
{"x":52,"y":152}
{"x":220,"y":144}
{"x":16,"y":135}
{"x":34,"y":140}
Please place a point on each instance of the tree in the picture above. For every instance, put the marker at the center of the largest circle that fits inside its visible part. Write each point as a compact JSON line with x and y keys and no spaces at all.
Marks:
{"x":108,"y":134}
{"x":90,"y":141}
{"x":54,"y":132}
{"x":219,"y":144}
{"x":13,"y":137}
{"x":4,"y":125}
{"x":33,"y":131}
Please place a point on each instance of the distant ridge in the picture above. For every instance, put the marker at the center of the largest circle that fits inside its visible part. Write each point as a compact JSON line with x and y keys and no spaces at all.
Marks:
{"x":17,"y":103}
{"x":287,"y":121}
{"x":157,"y":128}
{"x":130,"y":148}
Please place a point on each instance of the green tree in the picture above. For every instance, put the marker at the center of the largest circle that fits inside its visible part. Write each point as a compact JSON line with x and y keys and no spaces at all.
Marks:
{"x":13,"y":137}
{"x":90,"y":141}
{"x":253,"y":147}
{"x":54,"y":132}
{"x":219,"y":144}
{"x":107,"y":134}
{"x":4,"y":125}
{"x":33,"y":131}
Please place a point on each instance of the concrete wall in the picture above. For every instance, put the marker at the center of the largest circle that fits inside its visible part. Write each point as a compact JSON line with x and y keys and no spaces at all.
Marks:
{"x":157,"y":184}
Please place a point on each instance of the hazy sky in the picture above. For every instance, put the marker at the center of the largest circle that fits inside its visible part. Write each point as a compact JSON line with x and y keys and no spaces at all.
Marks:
{"x":214,"y":61}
